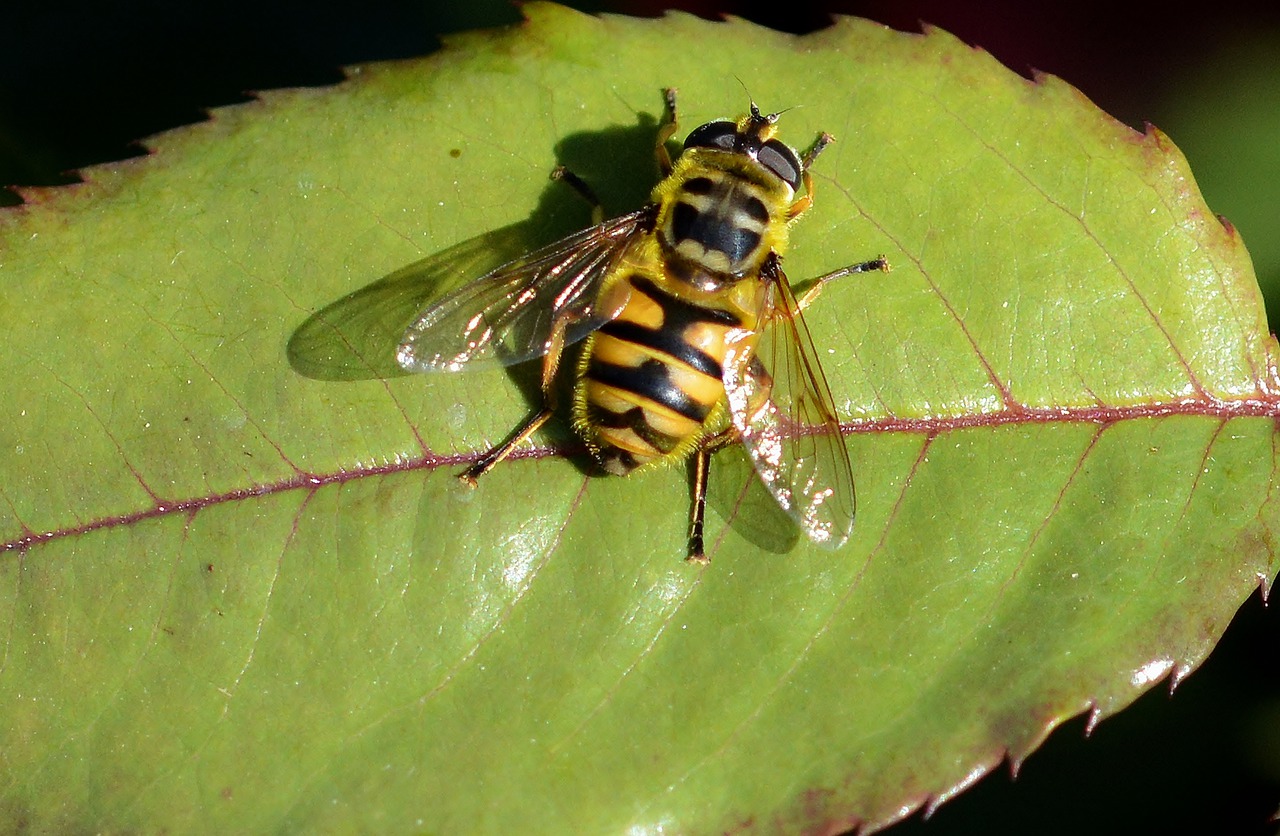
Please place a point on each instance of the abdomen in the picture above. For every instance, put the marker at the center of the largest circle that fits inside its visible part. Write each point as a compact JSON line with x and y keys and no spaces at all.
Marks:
{"x":650,"y":383}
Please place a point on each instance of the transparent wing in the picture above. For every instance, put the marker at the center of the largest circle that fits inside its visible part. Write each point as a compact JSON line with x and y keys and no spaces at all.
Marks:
{"x":782,"y":407}
{"x":358,"y":336}
{"x":512,"y":314}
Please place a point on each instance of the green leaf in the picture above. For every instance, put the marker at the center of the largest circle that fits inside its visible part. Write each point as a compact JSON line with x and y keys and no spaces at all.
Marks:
{"x":242,"y":591}
{"x":1217,"y":110}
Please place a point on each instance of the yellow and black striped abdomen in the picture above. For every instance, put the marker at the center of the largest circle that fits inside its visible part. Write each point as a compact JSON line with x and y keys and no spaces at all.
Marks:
{"x":650,"y":381}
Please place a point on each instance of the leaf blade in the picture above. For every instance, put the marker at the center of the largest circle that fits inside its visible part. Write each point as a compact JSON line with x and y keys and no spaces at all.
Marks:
{"x":276,"y":576}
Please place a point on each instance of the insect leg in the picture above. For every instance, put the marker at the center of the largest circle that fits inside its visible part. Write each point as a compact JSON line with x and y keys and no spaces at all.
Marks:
{"x":666,"y":130}
{"x":491,"y":459}
{"x":701,"y":470}
{"x":550,"y":363}
{"x":815,"y":290}
{"x":580,"y":186}
{"x":802,"y":204}
{"x":818,"y":147}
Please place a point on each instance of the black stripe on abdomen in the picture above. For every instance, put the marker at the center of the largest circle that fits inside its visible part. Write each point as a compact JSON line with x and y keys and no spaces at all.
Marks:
{"x":678,"y":313}
{"x":637,"y":421}
{"x":649,"y":380}
{"x":668,"y":341}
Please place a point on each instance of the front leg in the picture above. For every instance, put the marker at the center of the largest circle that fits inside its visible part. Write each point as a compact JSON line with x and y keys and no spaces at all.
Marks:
{"x":805,"y":202}
{"x":580,"y":186}
{"x":666,"y":130}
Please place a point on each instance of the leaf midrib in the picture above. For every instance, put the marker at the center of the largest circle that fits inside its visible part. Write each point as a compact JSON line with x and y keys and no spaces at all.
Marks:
{"x":1259,"y":405}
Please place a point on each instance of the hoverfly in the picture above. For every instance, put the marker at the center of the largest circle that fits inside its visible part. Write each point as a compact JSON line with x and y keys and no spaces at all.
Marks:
{"x":693,"y":336}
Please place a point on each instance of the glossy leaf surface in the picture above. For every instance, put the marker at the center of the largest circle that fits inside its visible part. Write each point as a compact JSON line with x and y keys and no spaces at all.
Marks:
{"x":243,"y":591}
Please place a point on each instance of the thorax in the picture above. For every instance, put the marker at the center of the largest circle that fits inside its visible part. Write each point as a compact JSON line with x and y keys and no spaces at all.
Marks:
{"x":719,"y":217}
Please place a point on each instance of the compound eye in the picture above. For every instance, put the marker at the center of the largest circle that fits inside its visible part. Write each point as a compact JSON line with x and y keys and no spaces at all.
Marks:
{"x":782,"y":161}
{"x":713,"y":135}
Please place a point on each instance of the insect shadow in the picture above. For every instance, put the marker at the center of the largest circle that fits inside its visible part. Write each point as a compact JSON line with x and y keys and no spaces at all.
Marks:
{"x":357,"y":336}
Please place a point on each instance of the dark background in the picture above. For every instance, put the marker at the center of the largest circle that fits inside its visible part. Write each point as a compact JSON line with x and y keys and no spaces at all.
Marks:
{"x":81,"y":81}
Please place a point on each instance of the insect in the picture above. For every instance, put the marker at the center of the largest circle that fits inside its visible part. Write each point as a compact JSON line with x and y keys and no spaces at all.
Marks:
{"x":693,"y":337}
